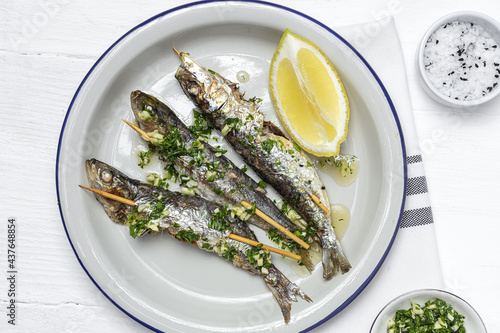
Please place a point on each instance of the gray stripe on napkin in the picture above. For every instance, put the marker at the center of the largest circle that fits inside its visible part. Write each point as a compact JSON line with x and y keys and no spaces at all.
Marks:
{"x":414,"y":159}
{"x":416,"y":217}
{"x":417,"y":185}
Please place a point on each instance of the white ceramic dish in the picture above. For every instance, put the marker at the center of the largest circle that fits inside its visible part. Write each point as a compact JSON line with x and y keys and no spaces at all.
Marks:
{"x":164,"y":284}
{"x":472,"y":322}
{"x":490,"y":25}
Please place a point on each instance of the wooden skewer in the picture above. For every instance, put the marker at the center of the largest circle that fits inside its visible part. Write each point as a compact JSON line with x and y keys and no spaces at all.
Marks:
{"x":232,"y":236}
{"x":319,"y":203}
{"x":245,"y":204}
{"x":278,"y":226}
{"x":143,"y":134}
{"x":178,"y":53}
{"x":265,"y":247}
{"x":110,"y":196}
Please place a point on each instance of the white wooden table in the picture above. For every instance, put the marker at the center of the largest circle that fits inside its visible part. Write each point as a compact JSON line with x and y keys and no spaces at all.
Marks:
{"x":48,"y":46}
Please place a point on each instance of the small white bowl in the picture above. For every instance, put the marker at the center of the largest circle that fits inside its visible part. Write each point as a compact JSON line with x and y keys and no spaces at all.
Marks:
{"x":489,"y":25}
{"x":472,"y":321}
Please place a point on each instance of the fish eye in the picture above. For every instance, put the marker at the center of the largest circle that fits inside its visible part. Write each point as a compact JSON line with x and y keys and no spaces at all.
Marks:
{"x":193,"y":90}
{"x":106,"y":176}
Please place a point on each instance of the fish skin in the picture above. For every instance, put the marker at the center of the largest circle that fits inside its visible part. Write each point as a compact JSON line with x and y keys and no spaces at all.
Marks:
{"x":235,"y":183}
{"x":283,"y":166}
{"x":188,"y":213}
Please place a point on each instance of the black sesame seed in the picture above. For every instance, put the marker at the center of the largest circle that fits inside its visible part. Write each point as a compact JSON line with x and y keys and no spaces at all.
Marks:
{"x":460,"y":59}
{"x":323,"y":187}
{"x":476,"y":65}
{"x":494,"y":46}
{"x":495,"y":64}
{"x":437,"y":41}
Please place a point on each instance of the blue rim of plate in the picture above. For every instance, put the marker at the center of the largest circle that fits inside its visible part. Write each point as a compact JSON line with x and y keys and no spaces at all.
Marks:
{"x":197,"y":3}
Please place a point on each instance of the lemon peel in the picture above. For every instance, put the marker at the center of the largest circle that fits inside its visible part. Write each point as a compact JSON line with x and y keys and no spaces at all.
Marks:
{"x":309,"y":96}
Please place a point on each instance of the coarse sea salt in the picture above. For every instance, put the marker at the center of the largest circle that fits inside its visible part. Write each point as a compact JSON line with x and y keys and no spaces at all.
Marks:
{"x":462,"y":61}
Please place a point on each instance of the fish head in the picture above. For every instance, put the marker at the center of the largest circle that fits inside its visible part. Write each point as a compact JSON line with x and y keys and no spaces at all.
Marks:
{"x":202,"y":86}
{"x":103,"y":177}
{"x":147,"y":111}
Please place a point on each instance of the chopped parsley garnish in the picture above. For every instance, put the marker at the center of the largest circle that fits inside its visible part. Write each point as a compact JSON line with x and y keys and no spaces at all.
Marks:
{"x":219,"y":220}
{"x":251,"y":210}
{"x":297,"y":147}
{"x":277,"y":237}
{"x":284,"y":207}
{"x":231,"y":122}
{"x":229,"y":253}
{"x":201,"y":126}
{"x":262,"y":184}
{"x":244,"y":168}
{"x":139,"y":226}
{"x":136,"y":226}
{"x":187,"y":235}
{"x":145,"y":156}
{"x":218,"y":191}
{"x":156,"y":180}
{"x":206,"y":246}
{"x":435,"y":316}
{"x":220,"y":151}
{"x":255,"y":99}
{"x":268,"y":145}
{"x":258,"y":257}
{"x":157,"y":209}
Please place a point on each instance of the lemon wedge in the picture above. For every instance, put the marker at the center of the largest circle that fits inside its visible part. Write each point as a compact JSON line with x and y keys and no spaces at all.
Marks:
{"x":309,"y":96}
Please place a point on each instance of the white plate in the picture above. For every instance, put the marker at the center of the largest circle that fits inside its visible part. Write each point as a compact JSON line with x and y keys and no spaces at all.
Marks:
{"x":164,"y":284}
{"x":472,"y":321}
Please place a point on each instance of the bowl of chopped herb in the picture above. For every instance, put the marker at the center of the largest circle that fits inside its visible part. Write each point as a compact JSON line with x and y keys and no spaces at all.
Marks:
{"x":458,"y":60}
{"x":428,"y":310}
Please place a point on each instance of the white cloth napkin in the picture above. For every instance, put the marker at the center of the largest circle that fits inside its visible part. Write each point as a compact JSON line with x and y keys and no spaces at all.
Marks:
{"x":413,"y":262}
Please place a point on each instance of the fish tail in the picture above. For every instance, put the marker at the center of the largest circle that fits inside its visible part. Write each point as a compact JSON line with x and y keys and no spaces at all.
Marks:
{"x":306,"y":259}
{"x":334,"y":260}
{"x":284,"y":291}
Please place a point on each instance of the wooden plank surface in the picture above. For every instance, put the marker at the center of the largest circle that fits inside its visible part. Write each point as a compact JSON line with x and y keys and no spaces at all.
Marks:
{"x":47,"y":47}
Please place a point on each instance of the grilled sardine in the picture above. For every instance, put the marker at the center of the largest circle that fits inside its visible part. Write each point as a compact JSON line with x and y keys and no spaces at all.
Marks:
{"x":190,"y":219}
{"x":279,"y":161}
{"x":215,"y":177}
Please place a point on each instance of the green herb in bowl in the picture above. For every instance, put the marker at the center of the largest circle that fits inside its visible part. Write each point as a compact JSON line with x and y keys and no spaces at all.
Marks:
{"x":436,"y":316}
